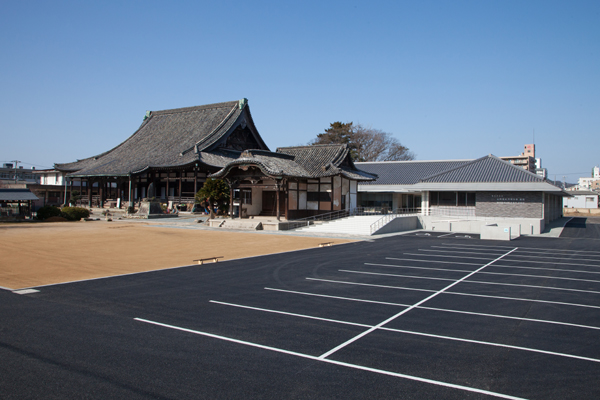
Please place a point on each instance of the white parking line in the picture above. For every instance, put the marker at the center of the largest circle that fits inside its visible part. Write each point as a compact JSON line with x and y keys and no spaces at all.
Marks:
{"x":543,"y":321}
{"x":437,"y":255}
{"x":393,"y":317}
{"x":432,"y":261}
{"x":525,"y":249}
{"x":329,"y":361}
{"x":471,"y":281}
{"x":487,"y":258}
{"x":485,"y":272}
{"x":378,"y":326}
{"x":516,"y":254}
{"x":560,"y":303}
{"x":289,"y":314}
{"x":579,"y":271}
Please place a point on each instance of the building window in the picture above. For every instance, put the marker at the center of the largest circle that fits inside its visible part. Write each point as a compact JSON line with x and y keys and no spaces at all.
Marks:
{"x":456,"y":199}
{"x":243,"y":195}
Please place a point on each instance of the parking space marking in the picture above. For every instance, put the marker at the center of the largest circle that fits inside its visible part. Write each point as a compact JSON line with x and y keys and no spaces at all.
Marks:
{"x":471,"y":281}
{"x":579,"y":271}
{"x":517,"y":254}
{"x":543,"y":321}
{"x":289,"y":314}
{"x":437,"y":255}
{"x":393,"y":317}
{"x":562,"y":303}
{"x":414,"y":267}
{"x":526,"y":249}
{"x":432,"y":261}
{"x":486,"y":272}
{"x":334,"y":362}
{"x":415,"y":333}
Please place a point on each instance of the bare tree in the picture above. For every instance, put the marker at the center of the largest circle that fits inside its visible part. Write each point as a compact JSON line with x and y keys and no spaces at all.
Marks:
{"x":366,"y":143}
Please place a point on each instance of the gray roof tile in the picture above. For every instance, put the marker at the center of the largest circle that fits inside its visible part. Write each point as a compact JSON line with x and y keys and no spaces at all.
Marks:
{"x":485,"y":169}
{"x":169,"y":138}
{"x":405,"y":172}
{"x":17,"y":195}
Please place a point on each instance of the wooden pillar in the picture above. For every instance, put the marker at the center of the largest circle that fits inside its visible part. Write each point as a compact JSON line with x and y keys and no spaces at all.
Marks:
{"x":195,"y":181}
{"x":231,"y":201}
{"x":89,"y":190}
{"x":277,"y":199}
{"x":167,"y":195}
{"x":286,"y":199}
{"x":180,"y":179}
{"x":101,"y":184}
{"x":129,"y":194}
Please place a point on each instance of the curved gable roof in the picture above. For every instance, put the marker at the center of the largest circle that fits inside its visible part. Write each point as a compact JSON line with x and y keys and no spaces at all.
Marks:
{"x":301,"y":162}
{"x":170,"y":138}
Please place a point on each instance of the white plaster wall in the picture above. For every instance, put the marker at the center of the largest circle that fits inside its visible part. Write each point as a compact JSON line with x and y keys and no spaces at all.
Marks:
{"x":256,"y":207}
{"x":579,"y":201}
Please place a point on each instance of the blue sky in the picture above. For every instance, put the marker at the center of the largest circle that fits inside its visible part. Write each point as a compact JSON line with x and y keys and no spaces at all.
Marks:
{"x":449,"y":79}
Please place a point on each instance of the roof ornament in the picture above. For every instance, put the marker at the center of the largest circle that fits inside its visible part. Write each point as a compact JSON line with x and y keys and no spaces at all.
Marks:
{"x":242,"y":103}
{"x":147,"y":115}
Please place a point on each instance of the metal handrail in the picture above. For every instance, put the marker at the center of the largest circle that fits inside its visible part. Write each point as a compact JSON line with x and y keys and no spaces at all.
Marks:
{"x":381,"y":222}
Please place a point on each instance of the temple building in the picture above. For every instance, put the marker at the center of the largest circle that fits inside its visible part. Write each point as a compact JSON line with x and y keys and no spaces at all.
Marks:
{"x":177,"y":150}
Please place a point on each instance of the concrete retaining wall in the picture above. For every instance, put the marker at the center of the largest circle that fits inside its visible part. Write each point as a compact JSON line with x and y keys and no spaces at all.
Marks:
{"x":498,"y":232}
{"x":400,"y":224}
{"x":521,"y":226}
{"x":578,"y":211}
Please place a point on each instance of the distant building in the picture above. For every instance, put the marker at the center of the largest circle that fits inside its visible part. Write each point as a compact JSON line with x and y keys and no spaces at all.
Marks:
{"x":588,"y":183}
{"x":10,"y":174}
{"x":526,"y":160}
{"x":581,"y":199}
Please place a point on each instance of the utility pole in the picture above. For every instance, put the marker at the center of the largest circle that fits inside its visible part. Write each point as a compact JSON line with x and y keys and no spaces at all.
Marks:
{"x":16,"y":163}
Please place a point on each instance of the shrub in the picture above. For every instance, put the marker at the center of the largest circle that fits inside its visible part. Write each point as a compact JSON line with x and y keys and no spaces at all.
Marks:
{"x":75,"y":213}
{"x":47,"y":212}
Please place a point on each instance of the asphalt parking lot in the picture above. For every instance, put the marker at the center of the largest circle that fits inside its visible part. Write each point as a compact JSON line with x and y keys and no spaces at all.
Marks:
{"x":415,"y":317}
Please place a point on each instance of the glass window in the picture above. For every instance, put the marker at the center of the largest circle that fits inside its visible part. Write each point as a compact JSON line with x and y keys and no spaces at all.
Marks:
{"x":471,"y":199}
{"x":447,"y":198}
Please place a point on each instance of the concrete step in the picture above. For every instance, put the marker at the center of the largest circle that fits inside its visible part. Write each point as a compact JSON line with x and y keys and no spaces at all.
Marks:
{"x":356,"y":225}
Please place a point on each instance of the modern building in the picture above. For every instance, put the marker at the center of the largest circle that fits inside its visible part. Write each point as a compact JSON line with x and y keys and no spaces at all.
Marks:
{"x":526,"y":160}
{"x":11,"y":174}
{"x":485,"y":189}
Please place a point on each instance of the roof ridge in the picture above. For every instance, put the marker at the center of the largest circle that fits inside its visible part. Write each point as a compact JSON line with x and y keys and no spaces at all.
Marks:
{"x":308,"y":146}
{"x":194,"y":108}
{"x":518,"y":169}
{"x":414,"y":161}
{"x":454,"y":169}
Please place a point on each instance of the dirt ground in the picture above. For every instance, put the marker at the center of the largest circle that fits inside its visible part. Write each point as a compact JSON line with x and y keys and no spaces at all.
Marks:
{"x":46,"y":253}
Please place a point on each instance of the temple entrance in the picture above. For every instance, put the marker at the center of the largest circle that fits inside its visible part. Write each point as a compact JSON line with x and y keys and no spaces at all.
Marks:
{"x":269,"y":204}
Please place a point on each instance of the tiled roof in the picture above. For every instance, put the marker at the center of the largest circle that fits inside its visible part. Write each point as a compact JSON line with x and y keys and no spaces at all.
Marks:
{"x":405,"y":172}
{"x":169,"y":138}
{"x":17,"y":195}
{"x":302,"y":162}
{"x":485,"y":169}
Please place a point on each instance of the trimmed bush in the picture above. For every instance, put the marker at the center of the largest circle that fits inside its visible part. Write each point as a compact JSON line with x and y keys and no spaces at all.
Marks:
{"x":75,"y":213}
{"x":47,"y":212}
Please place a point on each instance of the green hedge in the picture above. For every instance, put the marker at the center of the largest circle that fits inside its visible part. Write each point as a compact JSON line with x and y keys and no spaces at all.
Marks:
{"x":75,"y":213}
{"x":47,"y":212}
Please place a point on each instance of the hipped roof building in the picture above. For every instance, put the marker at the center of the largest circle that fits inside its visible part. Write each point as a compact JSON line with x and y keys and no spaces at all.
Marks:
{"x":177,"y":150}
